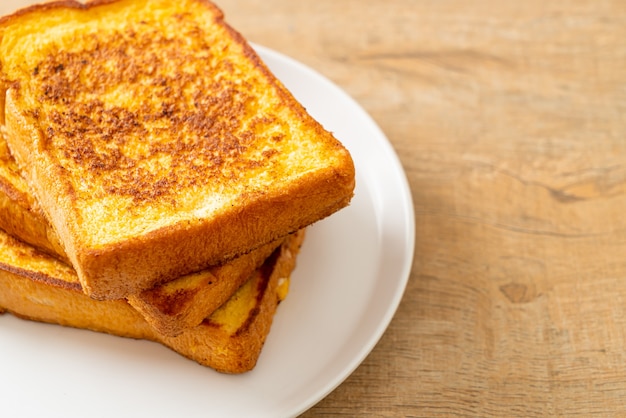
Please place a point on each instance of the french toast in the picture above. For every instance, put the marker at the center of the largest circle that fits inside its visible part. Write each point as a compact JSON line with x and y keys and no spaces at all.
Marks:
{"x":38,"y":287}
{"x":183,"y":303}
{"x":20,"y":214}
{"x":171,"y":307}
{"x":156,"y":141}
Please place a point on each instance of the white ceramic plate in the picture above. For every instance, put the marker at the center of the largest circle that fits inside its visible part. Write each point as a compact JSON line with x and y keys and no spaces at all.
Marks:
{"x":349,"y":280}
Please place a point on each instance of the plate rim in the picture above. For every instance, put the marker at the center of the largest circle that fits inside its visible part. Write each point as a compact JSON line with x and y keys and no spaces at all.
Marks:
{"x":408,"y":207}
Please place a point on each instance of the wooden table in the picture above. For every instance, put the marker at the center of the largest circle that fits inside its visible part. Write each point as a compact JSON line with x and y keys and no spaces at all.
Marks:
{"x":510,"y":120}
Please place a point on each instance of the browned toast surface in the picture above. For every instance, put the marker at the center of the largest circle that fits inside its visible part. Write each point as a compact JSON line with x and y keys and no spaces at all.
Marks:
{"x":183,"y":303}
{"x":37,"y":287}
{"x":171,"y":307}
{"x":153,"y":124}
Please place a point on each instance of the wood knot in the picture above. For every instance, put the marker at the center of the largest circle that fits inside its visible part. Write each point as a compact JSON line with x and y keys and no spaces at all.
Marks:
{"x":519,"y":293}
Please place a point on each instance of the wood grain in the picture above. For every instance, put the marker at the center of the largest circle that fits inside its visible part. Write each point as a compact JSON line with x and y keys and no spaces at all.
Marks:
{"x":510,"y":121}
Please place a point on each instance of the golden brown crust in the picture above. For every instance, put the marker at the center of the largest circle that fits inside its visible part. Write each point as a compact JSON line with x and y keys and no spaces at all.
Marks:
{"x":183,"y":303}
{"x":230,"y":341}
{"x":7,"y":19}
{"x":139,"y":131}
{"x":246,"y":340}
{"x":199,"y":246}
{"x":24,"y":260}
{"x":20,"y":215}
{"x":170,"y":308}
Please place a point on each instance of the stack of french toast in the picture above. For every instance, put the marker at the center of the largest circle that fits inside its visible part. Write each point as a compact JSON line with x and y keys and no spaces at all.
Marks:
{"x":156,"y":179}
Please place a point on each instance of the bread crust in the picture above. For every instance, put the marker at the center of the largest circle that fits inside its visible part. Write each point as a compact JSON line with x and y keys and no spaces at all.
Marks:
{"x":170,"y":308}
{"x":37,"y":287}
{"x":184,"y":303}
{"x":20,"y":214}
{"x":117,"y":267}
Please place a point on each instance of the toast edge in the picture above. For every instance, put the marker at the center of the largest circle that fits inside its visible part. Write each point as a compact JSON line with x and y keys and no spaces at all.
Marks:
{"x":186,"y":302}
{"x":46,"y":299}
{"x":123,"y":269}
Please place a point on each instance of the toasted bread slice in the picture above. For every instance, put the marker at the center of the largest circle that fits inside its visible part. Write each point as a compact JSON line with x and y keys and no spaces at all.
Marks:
{"x":172,"y":307}
{"x":156,"y":141}
{"x":38,"y":287}
{"x":183,"y":303}
{"x":20,"y":214}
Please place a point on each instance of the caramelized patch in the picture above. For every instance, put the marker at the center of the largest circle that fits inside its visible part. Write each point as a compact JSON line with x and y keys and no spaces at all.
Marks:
{"x":266,"y":271}
{"x":170,"y":303}
{"x":144,"y":114}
